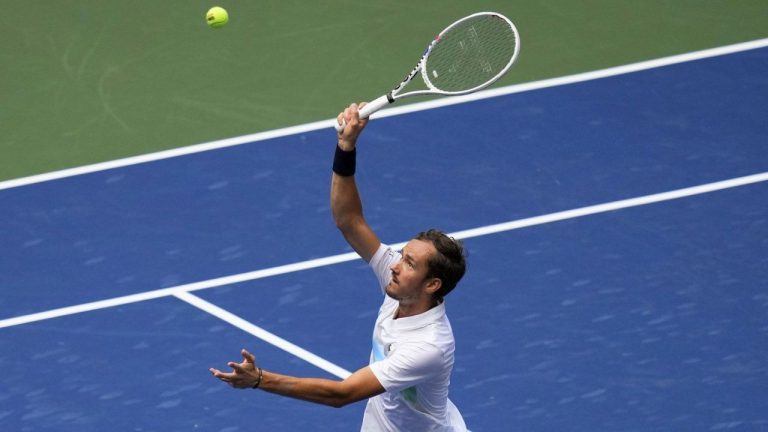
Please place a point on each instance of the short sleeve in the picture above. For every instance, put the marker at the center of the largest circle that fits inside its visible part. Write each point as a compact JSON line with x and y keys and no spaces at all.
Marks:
{"x":381,"y":262}
{"x":409,"y":365}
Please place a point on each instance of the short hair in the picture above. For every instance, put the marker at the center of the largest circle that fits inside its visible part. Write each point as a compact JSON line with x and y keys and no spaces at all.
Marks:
{"x":448,"y":264}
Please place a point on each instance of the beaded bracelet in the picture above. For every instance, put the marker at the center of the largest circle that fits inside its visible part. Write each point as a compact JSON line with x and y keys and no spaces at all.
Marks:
{"x":259,"y":381}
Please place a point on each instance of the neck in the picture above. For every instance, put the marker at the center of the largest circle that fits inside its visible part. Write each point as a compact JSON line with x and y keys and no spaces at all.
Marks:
{"x":409,"y":310}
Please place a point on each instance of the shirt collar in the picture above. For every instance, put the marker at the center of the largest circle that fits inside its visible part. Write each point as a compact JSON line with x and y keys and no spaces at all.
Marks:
{"x":421,"y":320}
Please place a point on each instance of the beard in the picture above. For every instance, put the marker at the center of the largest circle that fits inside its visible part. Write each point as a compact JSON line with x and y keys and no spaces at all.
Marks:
{"x":389,"y":291}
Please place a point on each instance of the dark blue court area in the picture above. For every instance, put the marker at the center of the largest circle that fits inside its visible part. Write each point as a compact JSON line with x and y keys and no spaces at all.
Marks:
{"x":649,"y":318}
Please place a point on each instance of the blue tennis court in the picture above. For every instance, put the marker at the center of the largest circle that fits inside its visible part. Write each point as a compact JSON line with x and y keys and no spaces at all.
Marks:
{"x":652,"y":316}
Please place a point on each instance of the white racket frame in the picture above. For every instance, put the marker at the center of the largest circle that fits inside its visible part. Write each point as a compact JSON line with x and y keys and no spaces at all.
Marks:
{"x":384,"y":100}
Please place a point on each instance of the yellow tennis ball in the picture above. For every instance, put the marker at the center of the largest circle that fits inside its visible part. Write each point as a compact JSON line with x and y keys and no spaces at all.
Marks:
{"x":217,"y":17}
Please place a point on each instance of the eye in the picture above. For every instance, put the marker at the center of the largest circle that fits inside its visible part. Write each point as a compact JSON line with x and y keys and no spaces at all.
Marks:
{"x":404,"y":259}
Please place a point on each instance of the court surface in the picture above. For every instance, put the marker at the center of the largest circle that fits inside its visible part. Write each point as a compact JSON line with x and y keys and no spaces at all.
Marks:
{"x":122,"y":287}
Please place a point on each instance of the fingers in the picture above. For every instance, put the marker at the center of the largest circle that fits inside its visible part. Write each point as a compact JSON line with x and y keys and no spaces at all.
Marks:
{"x":354,"y":112}
{"x":351,"y":116}
{"x":237,"y":367}
{"x":248,"y":356}
{"x":226,"y":377}
{"x":360,"y":122}
{"x":344,"y":117}
{"x":351,"y":125}
{"x":234,"y":379}
{"x":237,"y":379}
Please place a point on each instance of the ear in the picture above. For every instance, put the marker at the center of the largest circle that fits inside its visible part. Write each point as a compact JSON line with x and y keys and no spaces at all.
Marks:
{"x":433,"y":285}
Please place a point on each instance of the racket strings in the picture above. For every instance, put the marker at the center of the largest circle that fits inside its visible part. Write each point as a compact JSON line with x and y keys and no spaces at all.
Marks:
{"x":470,"y":54}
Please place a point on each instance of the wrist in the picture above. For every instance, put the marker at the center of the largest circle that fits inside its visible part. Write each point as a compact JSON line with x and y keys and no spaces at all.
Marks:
{"x":258,"y":382}
{"x":346,"y":146}
{"x":344,"y":161}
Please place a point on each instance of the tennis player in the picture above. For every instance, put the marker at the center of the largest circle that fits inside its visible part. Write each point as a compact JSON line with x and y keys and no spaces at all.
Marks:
{"x":406,"y":382}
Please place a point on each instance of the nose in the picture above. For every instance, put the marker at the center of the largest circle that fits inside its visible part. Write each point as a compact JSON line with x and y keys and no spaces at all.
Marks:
{"x":395,"y":268}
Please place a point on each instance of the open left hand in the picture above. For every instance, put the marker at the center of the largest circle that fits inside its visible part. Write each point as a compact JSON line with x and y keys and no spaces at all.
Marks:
{"x":243,"y":375}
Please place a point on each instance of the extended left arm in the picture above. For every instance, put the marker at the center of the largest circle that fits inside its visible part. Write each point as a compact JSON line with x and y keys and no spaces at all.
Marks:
{"x":362,"y":384}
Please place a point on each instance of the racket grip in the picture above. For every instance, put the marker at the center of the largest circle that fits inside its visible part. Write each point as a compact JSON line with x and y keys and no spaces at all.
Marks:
{"x":366,"y":111}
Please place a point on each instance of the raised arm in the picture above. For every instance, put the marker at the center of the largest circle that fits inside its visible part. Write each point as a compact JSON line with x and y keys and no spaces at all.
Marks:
{"x":346,"y":206}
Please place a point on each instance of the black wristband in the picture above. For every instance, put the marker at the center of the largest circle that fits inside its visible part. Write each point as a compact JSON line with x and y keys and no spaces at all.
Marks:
{"x":344,"y":162}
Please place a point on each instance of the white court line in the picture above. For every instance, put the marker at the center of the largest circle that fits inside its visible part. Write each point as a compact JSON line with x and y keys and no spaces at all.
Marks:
{"x":264,"y":335}
{"x":336,"y":259}
{"x":323,"y":124}
{"x":616,"y":205}
{"x":165,"y":292}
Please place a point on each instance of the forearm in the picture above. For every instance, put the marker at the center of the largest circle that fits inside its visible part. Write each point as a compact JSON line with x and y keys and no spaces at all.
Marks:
{"x":346,"y":205}
{"x":316,"y":390}
{"x":347,"y":212}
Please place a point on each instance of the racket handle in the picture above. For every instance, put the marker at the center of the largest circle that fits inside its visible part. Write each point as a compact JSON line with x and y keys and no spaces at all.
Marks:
{"x":366,"y":111}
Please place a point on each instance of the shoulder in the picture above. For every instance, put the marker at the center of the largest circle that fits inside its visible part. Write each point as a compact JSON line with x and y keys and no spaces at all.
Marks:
{"x":383,"y":256}
{"x":409,"y":363}
{"x":417,"y":355}
{"x":380,"y":263}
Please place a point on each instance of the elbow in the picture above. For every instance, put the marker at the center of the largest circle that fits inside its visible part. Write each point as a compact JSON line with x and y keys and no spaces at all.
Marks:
{"x":343,"y":401}
{"x":341,"y":224}
{"x":341,"y":396}
{"x":359,"y":386}
{"x":338,"y":404}
{"x":335,"y":401}
{"x":348,"y":224}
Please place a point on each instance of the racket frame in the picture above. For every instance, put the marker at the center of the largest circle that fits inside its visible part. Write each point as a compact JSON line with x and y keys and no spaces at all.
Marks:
{"x":394,"y":94}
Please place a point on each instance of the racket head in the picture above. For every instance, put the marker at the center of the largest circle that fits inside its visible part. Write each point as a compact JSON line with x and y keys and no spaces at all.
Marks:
{"x":471,"y":54}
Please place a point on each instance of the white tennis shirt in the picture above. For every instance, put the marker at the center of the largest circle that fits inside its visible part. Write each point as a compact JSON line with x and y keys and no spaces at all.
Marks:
{"x":412,"y":358}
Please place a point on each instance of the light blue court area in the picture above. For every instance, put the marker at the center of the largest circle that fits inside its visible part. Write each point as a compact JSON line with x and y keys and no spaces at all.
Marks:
{"x":648,"y":316}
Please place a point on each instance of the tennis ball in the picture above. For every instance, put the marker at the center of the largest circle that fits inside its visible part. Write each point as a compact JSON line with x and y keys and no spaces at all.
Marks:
{"x":217,"y":17}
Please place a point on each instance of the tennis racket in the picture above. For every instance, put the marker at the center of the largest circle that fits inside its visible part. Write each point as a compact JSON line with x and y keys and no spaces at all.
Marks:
{"x":467,"y":56}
